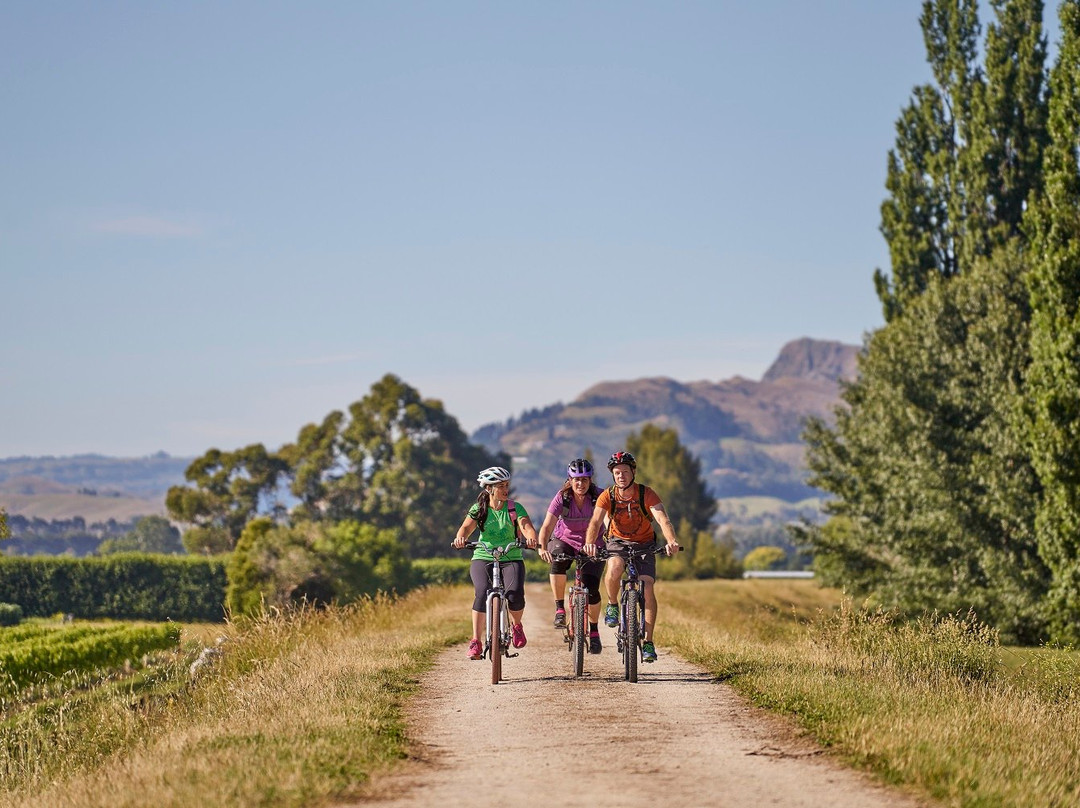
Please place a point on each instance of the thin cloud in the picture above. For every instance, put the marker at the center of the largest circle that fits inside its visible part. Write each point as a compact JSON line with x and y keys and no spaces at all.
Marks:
{"x":148,"y":226}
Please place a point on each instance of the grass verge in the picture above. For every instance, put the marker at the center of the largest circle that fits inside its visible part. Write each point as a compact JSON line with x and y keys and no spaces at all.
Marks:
{"x":936,"y":706}
{"x":298,"y":710}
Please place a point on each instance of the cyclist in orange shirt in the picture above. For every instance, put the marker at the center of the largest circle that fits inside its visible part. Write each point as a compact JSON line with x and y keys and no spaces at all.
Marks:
{"x":630,"y":509}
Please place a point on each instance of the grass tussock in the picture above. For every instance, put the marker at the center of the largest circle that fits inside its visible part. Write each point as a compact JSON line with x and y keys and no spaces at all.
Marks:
{"x":935,"y":705}
{"x":298,"y":709}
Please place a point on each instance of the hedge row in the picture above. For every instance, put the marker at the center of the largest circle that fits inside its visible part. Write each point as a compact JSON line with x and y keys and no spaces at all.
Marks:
{"x":127,"y":586}
{"x":439,"y":571}
{"x":140,"y":586}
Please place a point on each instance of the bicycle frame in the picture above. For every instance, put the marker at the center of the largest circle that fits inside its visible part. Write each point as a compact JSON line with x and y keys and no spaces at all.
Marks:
{"x":497,"y":614}
{"x":575,"y":633}
{"x":631,"y":629}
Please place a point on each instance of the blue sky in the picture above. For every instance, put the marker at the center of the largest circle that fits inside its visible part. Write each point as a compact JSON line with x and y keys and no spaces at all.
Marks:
{"x":221,"y":220}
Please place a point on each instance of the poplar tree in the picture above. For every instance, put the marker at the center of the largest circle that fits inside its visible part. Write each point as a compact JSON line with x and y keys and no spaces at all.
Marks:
{"x":932,"y":486}
{"x":924,"y":217}
{"x":1053,"y":381}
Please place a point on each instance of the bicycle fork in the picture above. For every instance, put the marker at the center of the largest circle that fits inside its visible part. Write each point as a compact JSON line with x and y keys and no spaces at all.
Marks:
{"x":630,"y":590}
{"x":497,"y":623}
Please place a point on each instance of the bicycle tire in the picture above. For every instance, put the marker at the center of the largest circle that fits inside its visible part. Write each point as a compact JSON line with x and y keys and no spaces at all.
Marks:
{"x":495,"y":637}
{"x":577,"y":612}
{"x":633,"y":634}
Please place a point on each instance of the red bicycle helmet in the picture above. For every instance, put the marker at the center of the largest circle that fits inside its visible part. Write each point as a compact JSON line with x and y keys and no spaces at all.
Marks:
{"x":619,"y":458}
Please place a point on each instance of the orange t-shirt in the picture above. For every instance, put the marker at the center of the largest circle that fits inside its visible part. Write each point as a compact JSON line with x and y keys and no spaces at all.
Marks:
{"x":628,"y":522}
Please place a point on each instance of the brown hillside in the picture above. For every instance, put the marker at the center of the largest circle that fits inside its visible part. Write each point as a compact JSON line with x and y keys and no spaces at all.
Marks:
{"x":747,"y":434}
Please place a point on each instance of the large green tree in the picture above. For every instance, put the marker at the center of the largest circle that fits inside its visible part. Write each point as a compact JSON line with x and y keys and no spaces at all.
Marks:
{"x":968,"y":148}
{"x":933,"y":489}
{"x":1053,"y":381}
{"x":674,"y":473}
{"x":933,"y":492}
{"x":226,"y":491}
{"x":329,"y":487}
{"x":417,"y":467}
{"x":396,"y":461}
{"x":669,"y":468}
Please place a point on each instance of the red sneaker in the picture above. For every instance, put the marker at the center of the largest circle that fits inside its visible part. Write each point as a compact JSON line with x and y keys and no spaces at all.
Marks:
{"x":517,"y":636}
{"x":476,"y":650}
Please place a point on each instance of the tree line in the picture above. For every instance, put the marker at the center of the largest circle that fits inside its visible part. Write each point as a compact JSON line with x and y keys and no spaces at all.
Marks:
{"x":344,"y":510}
{"x":954,"y":463}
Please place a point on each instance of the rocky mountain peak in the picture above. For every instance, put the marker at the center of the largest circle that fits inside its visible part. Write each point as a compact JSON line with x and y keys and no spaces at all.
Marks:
{"x":808,"y":358}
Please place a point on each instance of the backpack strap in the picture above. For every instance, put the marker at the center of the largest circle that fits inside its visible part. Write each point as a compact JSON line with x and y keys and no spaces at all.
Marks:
{"x":641,"y":499}
{"x":511,"y":508}
{"x":641,"y":502}
{"x":565,"y":504}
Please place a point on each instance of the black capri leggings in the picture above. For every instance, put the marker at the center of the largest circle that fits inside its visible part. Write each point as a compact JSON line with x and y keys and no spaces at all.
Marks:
{"x":590,"y":570}
{"x":513,"y":576}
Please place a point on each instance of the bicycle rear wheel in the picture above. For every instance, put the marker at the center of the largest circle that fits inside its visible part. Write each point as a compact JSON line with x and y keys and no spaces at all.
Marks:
{"x":494,"y":622}
{"x":577,"y":615}
{"x":633,"y":634}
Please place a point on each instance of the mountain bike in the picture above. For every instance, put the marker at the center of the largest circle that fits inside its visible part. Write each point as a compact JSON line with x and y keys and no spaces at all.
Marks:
{"x":497,"y":610}
{"x":575,"y":633}
{"x":631,"y":628}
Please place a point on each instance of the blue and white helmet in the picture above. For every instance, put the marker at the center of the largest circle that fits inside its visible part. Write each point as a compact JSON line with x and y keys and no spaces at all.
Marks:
{"x":492,"y":476}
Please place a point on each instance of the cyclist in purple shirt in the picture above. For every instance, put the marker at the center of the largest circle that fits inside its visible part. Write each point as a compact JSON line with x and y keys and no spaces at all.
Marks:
{"x":563,"y":531}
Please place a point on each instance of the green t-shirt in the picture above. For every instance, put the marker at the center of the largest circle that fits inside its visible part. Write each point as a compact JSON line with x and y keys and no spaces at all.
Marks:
{"x":498,"y":531}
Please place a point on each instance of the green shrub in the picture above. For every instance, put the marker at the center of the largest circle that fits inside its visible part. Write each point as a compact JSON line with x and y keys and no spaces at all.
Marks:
{"x":765,"y":558}
{"x":314,"y":562}
{"x":11,"y":614}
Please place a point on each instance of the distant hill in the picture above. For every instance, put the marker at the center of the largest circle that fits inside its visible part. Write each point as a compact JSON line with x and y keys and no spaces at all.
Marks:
{"x":746,"y":433}
{"x":94,"y":487}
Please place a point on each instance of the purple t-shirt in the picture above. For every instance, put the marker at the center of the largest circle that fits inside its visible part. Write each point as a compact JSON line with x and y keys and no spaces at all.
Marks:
{"x":572,"y":527}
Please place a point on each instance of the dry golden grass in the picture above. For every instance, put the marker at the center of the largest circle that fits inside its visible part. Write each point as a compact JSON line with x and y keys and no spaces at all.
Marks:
{"x":299,"y":709}
{"x":935,"y":707}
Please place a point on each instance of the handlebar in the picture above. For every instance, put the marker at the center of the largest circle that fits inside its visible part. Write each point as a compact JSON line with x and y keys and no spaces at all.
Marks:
{"x":472,"y":545}
{"x":579,"y":556}
{"x":624,"y":549}
{"x":603,"y":553}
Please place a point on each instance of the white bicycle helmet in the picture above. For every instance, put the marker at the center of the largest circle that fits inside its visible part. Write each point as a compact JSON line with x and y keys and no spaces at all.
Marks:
{"x":493,"y":475}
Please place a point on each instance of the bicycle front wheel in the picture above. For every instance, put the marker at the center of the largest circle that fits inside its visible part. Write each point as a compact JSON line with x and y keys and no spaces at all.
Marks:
{"x":494,"y":619}
{"x":577,"y":616}
{"x":633,"y":635}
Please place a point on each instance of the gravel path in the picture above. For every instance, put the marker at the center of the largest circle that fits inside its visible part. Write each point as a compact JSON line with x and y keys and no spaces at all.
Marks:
{"x":677,"y":737}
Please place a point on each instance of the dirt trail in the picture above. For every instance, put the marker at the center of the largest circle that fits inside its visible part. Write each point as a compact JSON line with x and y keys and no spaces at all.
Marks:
{"x":550,"y":740}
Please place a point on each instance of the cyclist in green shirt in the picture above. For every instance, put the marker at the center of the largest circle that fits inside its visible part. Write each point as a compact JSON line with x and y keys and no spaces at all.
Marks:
{"x":500,"y":520}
